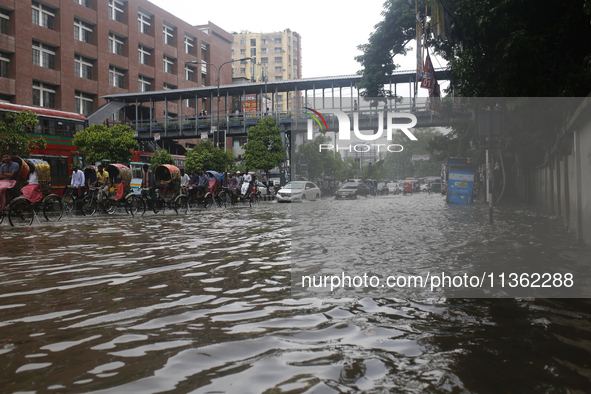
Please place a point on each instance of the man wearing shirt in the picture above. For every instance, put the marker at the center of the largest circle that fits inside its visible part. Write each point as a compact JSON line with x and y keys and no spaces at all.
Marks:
{"x":8,"y":171}
{"x":203,"y":182}
{"x":246,"y":182}
{"x":103,"y":182}
{"x":185,"y":179}
{"x":233,"y":184}
{"x":78,"y":181}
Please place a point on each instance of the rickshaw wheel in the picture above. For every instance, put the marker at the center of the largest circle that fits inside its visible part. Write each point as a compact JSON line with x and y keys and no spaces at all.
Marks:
{"x":1,"y":216}
{"x":88,"y":206}
{"x":109,"y":207}
{"x":21,"y":213}
{"x":181,"y":204}
{"x":135,"y":205}
{"x":53,"y":208}
{"x":208,"y":202}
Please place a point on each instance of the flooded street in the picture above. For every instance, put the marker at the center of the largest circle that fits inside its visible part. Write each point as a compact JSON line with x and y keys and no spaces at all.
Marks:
{"x":203,"y":302}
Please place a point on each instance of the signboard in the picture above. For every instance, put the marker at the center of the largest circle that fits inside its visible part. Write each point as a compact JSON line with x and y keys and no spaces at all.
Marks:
{"x":250,"y":105}
{"x":420,"y":158}
{"x":156,"y":136}
{"x":204,"y":135}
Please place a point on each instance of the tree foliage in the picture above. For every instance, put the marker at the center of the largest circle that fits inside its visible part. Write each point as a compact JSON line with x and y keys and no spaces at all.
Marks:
{"x":205,"y":156}
{"x":161,"y":157}
{"x":264,"y":149}
{"x":13,"y":134}
{"x":498,"y":48}
{"x":98,"y":143}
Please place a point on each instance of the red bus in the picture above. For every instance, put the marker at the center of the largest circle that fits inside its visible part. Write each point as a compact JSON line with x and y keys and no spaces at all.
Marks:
{"x":58,"y":129}
{"x":146,"y":157}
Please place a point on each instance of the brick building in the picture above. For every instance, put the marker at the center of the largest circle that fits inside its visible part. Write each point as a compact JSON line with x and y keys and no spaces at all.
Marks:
{"x":66,"y":54}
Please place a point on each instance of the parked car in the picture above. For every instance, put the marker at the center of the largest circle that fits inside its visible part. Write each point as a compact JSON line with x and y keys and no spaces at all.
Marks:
{"x":298,"y":191}
{"x":351,"y":190}
{"x":383,"y":189}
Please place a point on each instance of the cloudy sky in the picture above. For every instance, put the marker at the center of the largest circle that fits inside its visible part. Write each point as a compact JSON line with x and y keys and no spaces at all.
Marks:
{"x":331,"y":30}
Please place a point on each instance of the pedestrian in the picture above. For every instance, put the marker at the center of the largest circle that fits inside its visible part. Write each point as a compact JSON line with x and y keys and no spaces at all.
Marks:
{"x":78,"y":181}
{"x":246,"y":179}
{"x":354,"y":105}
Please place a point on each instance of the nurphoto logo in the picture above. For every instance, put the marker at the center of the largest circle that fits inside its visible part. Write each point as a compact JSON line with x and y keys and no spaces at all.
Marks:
{"x":344,"y":129}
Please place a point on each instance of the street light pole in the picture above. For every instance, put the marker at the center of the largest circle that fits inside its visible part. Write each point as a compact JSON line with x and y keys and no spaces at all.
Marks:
{"x":216,"y":140}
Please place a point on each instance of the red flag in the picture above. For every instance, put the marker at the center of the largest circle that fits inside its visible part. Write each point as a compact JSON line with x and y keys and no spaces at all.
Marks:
{"x":428,"y":81}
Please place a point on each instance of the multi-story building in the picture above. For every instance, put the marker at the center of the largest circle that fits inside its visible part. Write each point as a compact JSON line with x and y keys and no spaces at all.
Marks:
{"x":276,"y":57}
{"x":66,"y":54}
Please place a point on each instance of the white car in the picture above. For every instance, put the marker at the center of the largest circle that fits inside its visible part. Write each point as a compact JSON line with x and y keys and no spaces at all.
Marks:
{"x":298,"y":191}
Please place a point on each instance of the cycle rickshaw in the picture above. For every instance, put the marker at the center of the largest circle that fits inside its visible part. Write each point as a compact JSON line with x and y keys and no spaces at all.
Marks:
{"x":178,"y":202}
{"x":69,"y":201}
{"x":21,"y":211}
{"x":215,"y":188}
{"x":119,"y":195}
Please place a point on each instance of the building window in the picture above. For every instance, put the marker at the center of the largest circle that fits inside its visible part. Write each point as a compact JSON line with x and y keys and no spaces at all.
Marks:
{"x":278,"y":41}
{"x":4,"y":19}
{"x":242,"y":42}
{"x":264,"y":41}
{"x":82,"y":67}
{"x":84,"y":103}
{"x":116,"y":10}
{"x":279,"y":97}
{"x":115,"y":44}
{"x":253,"y":51}
{"x":168,"y":34}
{"x":278,"y":69}
{"x":253,"y":42}
{"x":144,"y":84}
{"x":85,"y":3}
{"x":43,"y":55}
{"x":278,"y":59}
{"x":116,"y":77}
{"x":143,"y":22}
{"x":242,"y":70}
{"x":279,"y":107}
{"x":82,"y":31}
{"x":167,"y":86}
{"x":43,"y":15}
{"x":168,"y":66}
{"x":4,"y":65}
{"x":189,"y":73}
{"x":190,"y":103}
{"x":264,"y":50}
{"x":277,"y":50}
{"x":295,"y":62}
{"x":144,"y":54}
{"x":264,"y":60}
{"x":278,"y":78}
{"x":189,"y":45}
{"x":243,"y":51}
{"x":43,"y":95}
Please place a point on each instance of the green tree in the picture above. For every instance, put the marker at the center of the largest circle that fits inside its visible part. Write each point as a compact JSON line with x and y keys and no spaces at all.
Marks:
{"x":13,"y":133}
{"x":497,"y":48}
{"x":161,"y":157}
{"x":264,"y":149}
{"x":98,"y":143}
{"x":205,"y":156}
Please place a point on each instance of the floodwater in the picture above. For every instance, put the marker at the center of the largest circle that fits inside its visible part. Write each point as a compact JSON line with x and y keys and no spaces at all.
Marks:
{"x":202,"y":303}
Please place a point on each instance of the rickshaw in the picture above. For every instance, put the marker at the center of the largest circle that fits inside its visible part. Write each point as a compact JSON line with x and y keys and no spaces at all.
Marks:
{"x":68,"y":198}
{"x":119,"y":193}
{"x":407,"y":188}
{"x":178,"y":202}
{"x":20,"y":210}
{"x":207,"y":198}
{"x":215,"y":188}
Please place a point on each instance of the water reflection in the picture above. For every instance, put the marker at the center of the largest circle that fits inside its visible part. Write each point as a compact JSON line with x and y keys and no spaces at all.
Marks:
{"x":202,"y":303}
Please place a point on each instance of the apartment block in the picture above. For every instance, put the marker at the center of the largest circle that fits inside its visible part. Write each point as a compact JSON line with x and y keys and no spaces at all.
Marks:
{"x":276,"y":57}
{"x":66,"y":54}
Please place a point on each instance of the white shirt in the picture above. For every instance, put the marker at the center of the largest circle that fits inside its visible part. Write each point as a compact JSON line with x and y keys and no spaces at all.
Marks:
{"x":77,"y":178}
{"x":185,"y":180}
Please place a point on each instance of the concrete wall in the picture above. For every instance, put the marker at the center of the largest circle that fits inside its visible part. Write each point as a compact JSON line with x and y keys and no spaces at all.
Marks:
{"x":562,"y":185}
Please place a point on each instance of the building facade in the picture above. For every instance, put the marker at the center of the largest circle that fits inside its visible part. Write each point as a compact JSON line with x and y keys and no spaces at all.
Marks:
{"x":67,"y":54}
{"x":276,"y":57}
